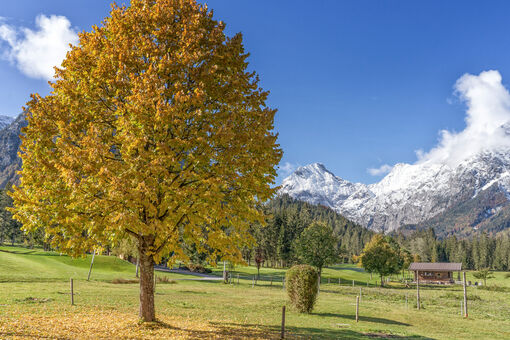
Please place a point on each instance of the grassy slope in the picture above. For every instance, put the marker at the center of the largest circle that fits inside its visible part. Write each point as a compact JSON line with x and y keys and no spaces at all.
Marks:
{"x":214,"y":310}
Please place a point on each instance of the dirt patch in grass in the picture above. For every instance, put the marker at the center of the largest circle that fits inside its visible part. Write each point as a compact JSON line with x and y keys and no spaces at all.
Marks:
{"x":31,"y":299}
{"x":124,"y":281}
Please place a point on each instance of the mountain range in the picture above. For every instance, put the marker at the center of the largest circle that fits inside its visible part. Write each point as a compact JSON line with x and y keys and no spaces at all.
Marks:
{"x":463,"y":199}
{"x":10,"y":162}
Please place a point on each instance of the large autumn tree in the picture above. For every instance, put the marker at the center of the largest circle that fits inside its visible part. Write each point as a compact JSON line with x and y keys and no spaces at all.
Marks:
{"x":154,"y":130}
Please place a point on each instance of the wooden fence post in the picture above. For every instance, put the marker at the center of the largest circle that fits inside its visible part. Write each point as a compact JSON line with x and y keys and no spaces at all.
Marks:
{"x":465,"y":297}
{"x":360,"y":294}
{"x":339,"y":281}
{"x":418,"y":290}
{"x":253,"y":281}
{"x":461,"y":308}
{"x":137,"y":266}
{"x":237,"y":278}
{"x":282,"y":335}
{"x":91,"y":264}
{"x":357,"y":308}
{"x":353,"y":283}
{"x":72,"y":293}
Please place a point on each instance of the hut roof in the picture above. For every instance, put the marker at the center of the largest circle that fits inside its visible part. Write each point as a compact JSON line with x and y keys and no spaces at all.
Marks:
{"x":436,"y":266}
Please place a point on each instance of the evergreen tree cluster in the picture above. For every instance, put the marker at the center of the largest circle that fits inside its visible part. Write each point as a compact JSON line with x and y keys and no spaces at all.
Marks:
{"x":9,"y":229}
{"x":480,"y":251}
{"x":287,"y":218}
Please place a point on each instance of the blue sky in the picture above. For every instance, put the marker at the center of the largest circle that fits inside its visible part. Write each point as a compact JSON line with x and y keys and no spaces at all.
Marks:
{"x":358,"y":84}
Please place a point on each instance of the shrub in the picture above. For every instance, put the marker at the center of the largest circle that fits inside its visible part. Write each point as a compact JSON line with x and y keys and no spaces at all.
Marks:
{"x":302,"y":286}
{"x":198,"y":268}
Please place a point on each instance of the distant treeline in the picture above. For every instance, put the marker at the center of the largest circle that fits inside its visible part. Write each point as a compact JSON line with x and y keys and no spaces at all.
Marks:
{"x":480,"y":251}
{"x":10,"y":229}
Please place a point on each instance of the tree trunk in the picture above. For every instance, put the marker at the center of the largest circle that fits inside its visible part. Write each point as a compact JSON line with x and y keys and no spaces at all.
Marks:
{"x":137,"y":266}
{"x":382,"y":284}
{"x":147,"y":311}
{"x":320,"y":275}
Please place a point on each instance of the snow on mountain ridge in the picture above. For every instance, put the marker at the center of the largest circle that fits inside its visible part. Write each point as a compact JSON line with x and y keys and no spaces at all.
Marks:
{"x":409,"y":194}
{"x":5,"y":121}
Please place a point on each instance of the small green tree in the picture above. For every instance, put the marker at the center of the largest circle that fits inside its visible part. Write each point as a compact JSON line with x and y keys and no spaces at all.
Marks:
{"x":302,"y":286}
{"x":316,"y":246}
{"x":9,"y":228}
{"x":483,"y":274}
{"x":380,"y":257}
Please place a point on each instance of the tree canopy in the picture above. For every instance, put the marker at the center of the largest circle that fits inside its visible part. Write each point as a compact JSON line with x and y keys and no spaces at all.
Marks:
{"x":316,"y":246}
{"x":381,"y":257}
{"x":154,"y":129}
{"x":484,"y":274}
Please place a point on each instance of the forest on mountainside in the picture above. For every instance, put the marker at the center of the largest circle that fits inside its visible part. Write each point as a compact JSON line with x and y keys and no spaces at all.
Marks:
{"x":286,"y":219}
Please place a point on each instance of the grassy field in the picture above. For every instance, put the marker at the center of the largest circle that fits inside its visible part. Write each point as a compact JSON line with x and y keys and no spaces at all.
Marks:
{"x":35,"y":303}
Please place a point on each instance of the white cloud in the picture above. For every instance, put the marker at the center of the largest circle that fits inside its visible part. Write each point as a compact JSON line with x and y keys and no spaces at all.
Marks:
{"x":488,"y":108}
{"x":382,"y":170}
{"x":286,"y":169}
{"x":36,"y":52}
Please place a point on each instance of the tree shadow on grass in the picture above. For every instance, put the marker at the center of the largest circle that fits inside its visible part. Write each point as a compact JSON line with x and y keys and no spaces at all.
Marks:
{"x":247,"y":331}
{"x":30,"y":252}
{"x":354,"y":269}
{"x":220,"y":330}
{"x":363,"y":318}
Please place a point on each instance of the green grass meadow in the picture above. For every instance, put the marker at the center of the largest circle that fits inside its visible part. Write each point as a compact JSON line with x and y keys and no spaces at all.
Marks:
{"x":35,"y":284}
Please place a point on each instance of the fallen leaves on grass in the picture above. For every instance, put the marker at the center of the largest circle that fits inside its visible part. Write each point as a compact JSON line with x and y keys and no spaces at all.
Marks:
{"x":110,"y":324}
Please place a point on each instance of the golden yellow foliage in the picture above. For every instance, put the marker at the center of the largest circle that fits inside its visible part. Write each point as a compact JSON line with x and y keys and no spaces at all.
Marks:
{"x":154,"y":129}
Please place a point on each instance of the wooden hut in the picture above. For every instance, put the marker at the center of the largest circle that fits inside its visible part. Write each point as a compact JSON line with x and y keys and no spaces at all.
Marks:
{"x":435,"y":272}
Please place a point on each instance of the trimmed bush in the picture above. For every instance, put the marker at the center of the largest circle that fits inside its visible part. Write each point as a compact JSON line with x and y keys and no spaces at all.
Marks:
{"x":302,"y":286}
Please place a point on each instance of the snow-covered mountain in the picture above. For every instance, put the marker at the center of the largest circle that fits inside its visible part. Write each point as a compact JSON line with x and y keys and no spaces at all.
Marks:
{"x":411,"y":194}
{"x":5,"y":121}
{"x":10,"y":141}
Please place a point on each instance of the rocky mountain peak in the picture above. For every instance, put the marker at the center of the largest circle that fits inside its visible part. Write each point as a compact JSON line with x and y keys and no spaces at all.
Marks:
{"x":410,"y":194}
